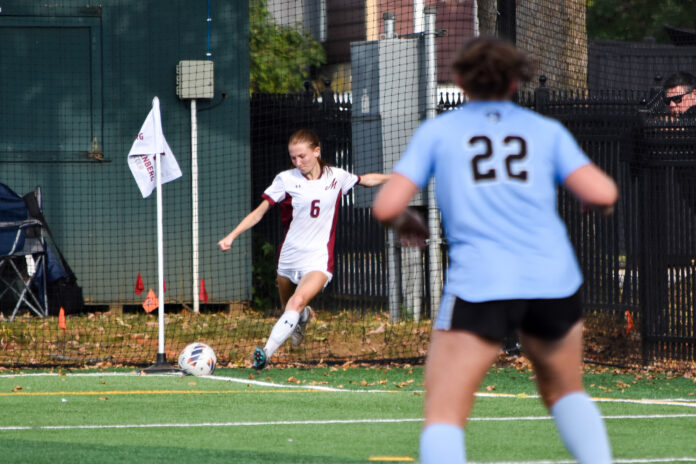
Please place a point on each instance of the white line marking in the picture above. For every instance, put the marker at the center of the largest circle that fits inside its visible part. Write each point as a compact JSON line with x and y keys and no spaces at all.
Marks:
{"x":71,"y":374}
{"x":207,"y":424}
{"x":616,"y":461}
{"x":307,"y":422}
{"x":261,"y":383}
{"x":622,"y":417}
{"x":686,"y":402}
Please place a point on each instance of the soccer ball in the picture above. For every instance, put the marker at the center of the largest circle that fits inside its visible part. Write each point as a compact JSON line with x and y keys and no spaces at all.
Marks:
{"x":197,"y":359}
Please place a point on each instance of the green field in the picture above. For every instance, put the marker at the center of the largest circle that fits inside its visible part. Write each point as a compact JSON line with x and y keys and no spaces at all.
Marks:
{"x":319,"y":415}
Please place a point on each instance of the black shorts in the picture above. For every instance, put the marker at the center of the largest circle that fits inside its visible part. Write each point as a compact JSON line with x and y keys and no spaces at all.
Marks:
{"x":548,"y":319}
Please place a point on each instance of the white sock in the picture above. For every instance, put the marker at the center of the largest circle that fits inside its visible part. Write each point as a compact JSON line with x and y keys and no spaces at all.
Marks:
{"x":442,"y":444}
{"x":581,"y":428}
{"x":281,"y":332}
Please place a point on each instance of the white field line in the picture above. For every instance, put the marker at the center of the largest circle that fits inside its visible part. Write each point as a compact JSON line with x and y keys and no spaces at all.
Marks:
{"x":304,"y":422}
{"x":685,"y":402}
{"x":616,"y":461}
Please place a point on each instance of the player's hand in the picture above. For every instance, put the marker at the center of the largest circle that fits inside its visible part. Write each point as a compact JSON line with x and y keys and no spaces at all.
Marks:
{"x":225,"y":244}
{"x":606,"y":210}
{"x":411,"y":228}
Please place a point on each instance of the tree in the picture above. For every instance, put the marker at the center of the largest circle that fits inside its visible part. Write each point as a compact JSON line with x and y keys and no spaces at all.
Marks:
{"x":633,"y":20}
{"x":280,"y":56}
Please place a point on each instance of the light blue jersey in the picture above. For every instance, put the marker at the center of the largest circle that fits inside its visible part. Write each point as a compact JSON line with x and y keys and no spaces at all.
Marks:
{"x":496,"y":167}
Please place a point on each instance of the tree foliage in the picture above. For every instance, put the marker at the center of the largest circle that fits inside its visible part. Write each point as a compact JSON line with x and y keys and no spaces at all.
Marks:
{"x":633,"y":20}
{"x":280,"y":56}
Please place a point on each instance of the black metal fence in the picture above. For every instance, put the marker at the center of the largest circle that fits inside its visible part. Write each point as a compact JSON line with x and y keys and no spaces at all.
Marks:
{"x":639,"y":264}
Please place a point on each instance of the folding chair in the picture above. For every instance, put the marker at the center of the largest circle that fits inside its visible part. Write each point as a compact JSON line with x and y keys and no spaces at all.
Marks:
{"x":23,"y":255}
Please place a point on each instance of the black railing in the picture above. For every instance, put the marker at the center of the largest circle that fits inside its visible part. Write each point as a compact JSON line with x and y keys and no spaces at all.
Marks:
{"x":639,"y":263}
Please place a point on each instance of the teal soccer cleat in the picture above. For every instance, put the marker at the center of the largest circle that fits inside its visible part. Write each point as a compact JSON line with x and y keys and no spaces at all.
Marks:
{"x":259,"y":359}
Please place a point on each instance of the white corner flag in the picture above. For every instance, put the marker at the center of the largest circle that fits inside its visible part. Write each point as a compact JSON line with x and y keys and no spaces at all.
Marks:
{"x":149,"y":143}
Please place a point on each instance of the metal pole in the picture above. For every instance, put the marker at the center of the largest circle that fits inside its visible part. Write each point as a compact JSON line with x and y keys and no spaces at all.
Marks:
{"x":321,"y":36}
{"x":418,"y":19}
{"x":393,"y":249}
{"x":393,"y":276}
{"x":434,"y":244}
{"x":160,"y":254}
{"x":160,"y":365}
{"x":389,"y":25}
{"x":194,"y":204}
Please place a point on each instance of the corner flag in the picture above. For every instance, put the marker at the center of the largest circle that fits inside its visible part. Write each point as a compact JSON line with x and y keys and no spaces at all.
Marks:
{"x":150,"y":143}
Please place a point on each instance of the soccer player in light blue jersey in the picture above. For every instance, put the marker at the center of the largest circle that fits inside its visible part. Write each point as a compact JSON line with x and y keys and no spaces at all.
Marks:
{"x":512,"y":267}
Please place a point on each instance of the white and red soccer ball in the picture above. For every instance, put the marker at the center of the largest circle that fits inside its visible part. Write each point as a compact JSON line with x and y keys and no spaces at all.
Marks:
{"x":197,"y":359}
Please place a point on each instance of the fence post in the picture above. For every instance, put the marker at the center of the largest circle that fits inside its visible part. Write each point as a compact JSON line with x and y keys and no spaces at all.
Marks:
{"x":394,"y":276}
{"x":308,"y":94}
{"x":435,"y":242}
{"x":541,"y":96}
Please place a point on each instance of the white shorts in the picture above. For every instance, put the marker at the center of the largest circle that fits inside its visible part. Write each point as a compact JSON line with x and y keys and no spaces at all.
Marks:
{"x":295,"y":276}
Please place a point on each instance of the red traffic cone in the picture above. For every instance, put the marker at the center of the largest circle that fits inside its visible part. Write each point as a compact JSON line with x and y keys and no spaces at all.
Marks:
{"x":202,"y":294}
{"x":139,"y":286}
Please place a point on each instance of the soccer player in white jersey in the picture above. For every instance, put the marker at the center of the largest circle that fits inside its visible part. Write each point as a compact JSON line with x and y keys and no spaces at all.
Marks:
{"x":496,"y":167}
{"x":309,"y":196}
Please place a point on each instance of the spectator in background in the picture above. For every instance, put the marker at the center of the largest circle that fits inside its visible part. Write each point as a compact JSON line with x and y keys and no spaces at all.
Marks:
{"x":680,"y":94}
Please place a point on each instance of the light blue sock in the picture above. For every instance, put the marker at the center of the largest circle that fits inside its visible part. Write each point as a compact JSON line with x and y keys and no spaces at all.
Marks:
{"x":581,"y":428}
{"x":442,"y":444}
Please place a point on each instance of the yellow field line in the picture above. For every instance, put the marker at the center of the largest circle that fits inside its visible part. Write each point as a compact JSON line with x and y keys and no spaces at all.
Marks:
{"x":151,"y":392}
{"x":391,"y":458}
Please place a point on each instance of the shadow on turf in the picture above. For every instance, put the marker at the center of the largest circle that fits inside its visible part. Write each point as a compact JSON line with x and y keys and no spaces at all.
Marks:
{"x":20,"y":451}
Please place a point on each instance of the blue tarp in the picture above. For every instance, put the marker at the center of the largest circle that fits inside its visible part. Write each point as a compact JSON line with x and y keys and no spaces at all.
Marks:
{"x":13,"y":209}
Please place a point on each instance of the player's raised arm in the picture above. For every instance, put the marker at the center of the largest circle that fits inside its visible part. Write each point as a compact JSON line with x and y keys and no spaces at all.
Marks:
{"x":373,"y":179}
{"x":247,"y":223}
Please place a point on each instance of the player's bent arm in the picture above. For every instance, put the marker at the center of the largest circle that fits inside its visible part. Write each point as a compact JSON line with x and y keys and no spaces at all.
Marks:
{"x":393,"y":198}
{"x":373,"y":179}
{"x":593,"y":187}
{"x":391,"y":209}
{"x":247,"y":223}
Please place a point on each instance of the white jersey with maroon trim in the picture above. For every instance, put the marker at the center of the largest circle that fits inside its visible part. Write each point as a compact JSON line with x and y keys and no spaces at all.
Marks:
{"x":309,"y":213}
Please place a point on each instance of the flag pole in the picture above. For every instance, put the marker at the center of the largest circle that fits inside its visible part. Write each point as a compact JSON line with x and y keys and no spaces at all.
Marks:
{"x":161,"y":366}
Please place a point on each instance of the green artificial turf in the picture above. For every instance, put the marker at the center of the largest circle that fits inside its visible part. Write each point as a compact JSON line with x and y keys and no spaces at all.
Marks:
{"x":279,"y":416}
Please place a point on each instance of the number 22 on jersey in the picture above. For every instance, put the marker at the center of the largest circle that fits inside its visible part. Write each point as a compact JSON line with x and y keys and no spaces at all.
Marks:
{"x":483,"y":164}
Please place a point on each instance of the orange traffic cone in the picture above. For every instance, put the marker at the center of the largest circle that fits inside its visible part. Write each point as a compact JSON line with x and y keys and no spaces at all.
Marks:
{"x":61,"y":319}
{"x":151,"y":302}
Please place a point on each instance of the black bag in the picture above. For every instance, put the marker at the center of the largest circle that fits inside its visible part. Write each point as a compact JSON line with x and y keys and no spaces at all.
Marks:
{"x":65,"y":293}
